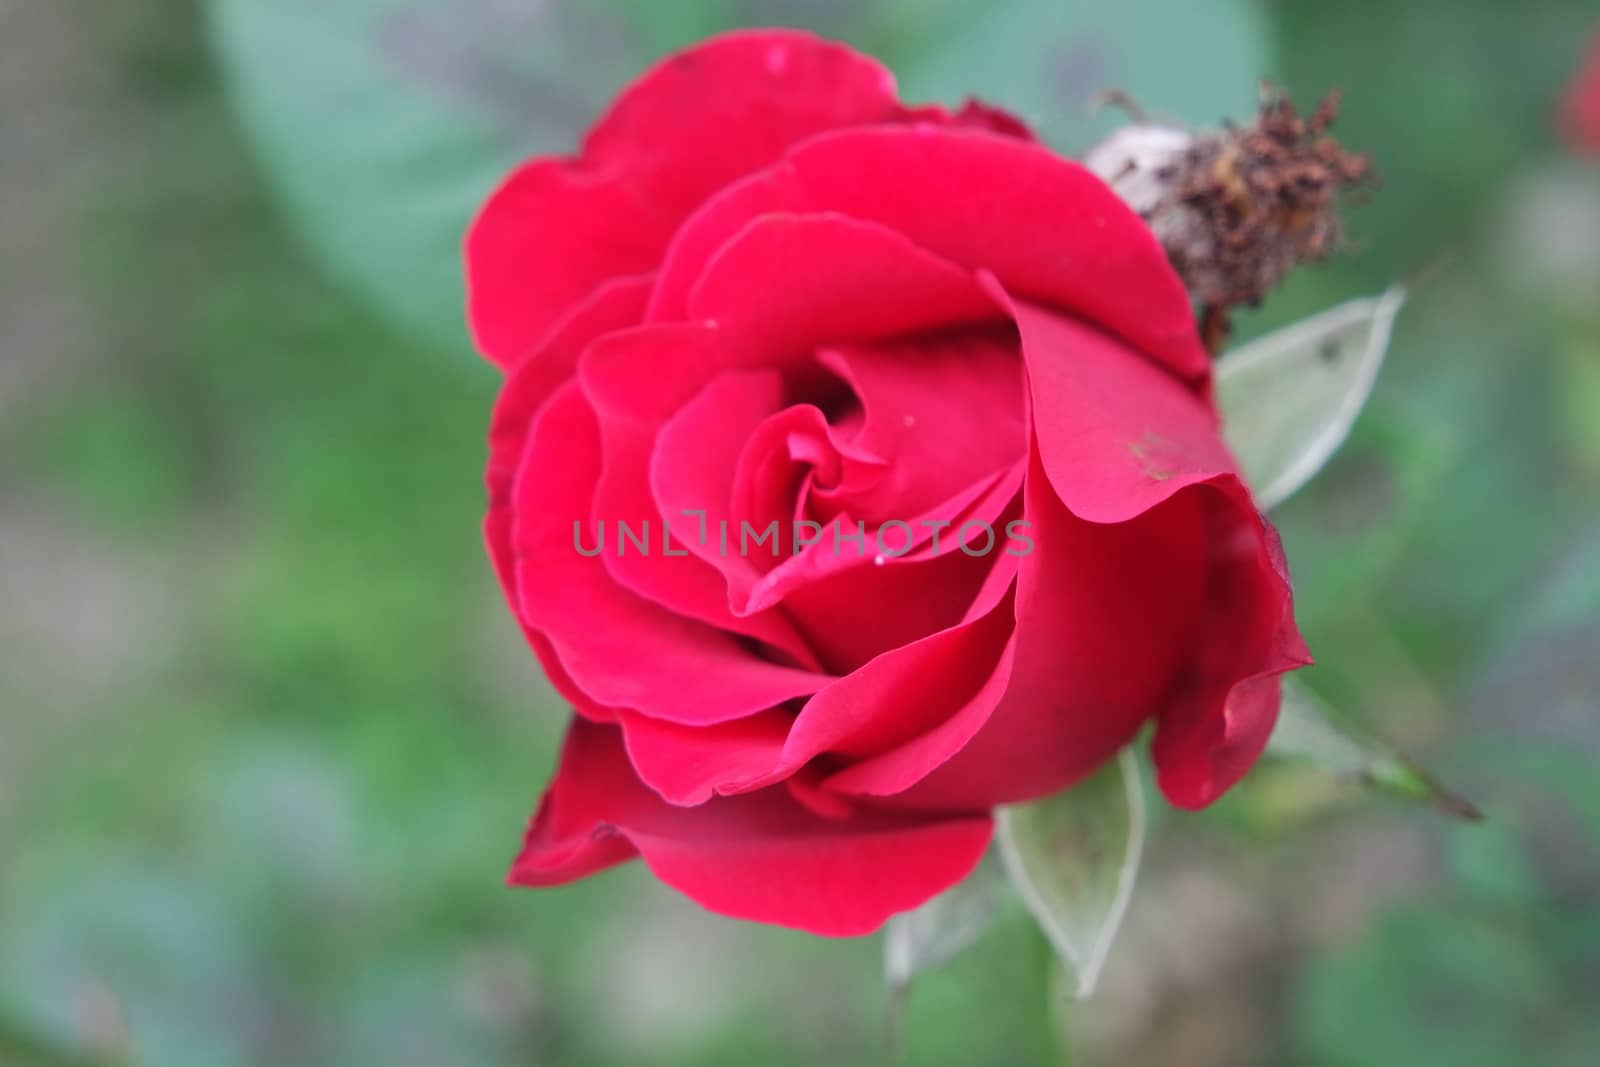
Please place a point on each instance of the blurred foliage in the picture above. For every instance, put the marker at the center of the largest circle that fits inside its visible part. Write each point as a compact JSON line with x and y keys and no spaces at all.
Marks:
{"x":268,"y":735}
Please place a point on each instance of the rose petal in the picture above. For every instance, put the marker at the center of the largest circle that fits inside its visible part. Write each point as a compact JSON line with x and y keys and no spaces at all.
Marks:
{"x":761,"y":856}
{"x":696,"y":121}
{"x":945,"y":412}
{"x":688,"y":765}
{"x":851,"y":614}
{"x":845,"y":551}
{"x":785,"y":283}
{"x":903,"y":693}
{"x":1223,"y":711}
{"x":888,"y":702}
{"x":895,"y":772}
{"x":1115,"y":433}
{"x":696,"y":458}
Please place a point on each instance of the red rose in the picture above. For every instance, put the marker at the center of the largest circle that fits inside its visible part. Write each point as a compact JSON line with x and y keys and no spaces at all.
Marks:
{"x":1580,"y":118}
{"x":767,"y":297}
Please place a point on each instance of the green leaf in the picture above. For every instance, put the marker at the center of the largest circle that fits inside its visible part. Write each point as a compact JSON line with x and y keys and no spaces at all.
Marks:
{"x":934,"y":934}
{"x":1047,"y":60}
{"x":1309,"y":731}
{"x":385,"y":123}
{"x":1290,"y":398}
{"x":1073,"y":859}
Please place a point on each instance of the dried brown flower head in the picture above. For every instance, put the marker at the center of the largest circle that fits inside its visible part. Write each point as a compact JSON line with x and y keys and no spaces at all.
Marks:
{"x":1237,"y":209}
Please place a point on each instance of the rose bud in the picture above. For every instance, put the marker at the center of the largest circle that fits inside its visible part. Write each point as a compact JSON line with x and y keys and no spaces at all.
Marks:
{"x":855,"y":471}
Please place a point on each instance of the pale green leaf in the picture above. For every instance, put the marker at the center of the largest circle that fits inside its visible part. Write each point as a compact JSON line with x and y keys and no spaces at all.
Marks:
{"x":1074,"y":858}
{"x":1290,"y":398}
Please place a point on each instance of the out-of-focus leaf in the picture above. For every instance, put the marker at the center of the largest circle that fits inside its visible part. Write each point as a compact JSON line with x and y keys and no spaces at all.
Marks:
{"x":1048,"y":59}
{"x":386,"y":122}
{"x":1308,"y":730}
{"x":1074,"y":858}
{"x":934,"y":934}
{"x":1289,"y":399}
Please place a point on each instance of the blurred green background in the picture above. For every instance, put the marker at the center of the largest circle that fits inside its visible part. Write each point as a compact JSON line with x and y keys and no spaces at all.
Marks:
{"x":268,"y":737}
